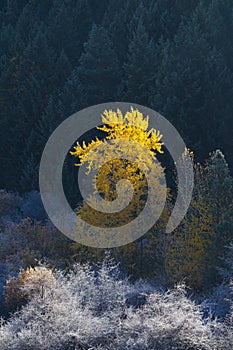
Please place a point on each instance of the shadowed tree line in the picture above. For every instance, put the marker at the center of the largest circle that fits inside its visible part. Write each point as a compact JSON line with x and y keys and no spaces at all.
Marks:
{"x":61,"y":56}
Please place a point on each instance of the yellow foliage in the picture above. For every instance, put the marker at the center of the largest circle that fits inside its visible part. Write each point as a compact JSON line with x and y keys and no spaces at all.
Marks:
{"x":131,"y":126}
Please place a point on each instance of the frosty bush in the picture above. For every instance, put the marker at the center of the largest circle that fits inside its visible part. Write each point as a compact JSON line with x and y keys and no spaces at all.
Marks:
{"x":222,"y":295}
{"x":30,"y":282}
{"x":9,"y":203}
{"x":25,"y":241}
{"x":32,"y":206}
{"x":224,"y":330}
{"x":87,"y":309}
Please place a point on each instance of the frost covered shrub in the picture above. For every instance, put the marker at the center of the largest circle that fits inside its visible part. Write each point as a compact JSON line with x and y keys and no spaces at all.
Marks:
{"x":82,"y":307}
{"x":41,"y":239}
{"x":218,"y":303}
{"x":227,"y":271}
{"x":3,"y":274}
{"x":24,"y":243}
{"x":224,"y":330}
{"x":9,"y":203}
{"x":29,"y":282}
{"x":167,"y":321}
{"x":87,"y":309}
{"x":32,"y":206}
{"x":222,"y":295}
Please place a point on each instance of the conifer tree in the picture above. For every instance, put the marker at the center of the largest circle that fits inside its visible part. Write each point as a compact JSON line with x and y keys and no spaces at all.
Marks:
{"x":28,"y":22}
{"x":220,"y":187}
{"x":69,"y":28}
{"x":32,"y":87}
{"x":215,"y":19}
{"x":98,"y":71}
{"x":117,"y":21}
{"x":192,"y":90}
{"x":161,"y":18}
{"x":10,"y":12}
{"x":98,"y":9}
{"x":187,"y":250}
{"x":29,"y":178}
{"x":140,"y":67}
{"x":62,"y":71}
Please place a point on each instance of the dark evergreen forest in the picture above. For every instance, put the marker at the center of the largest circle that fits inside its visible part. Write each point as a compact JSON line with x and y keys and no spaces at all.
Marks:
{"x":59,"y":56}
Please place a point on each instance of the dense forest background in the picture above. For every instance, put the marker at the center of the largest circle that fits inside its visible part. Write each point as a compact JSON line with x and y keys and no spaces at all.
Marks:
{"x":61,"y":56}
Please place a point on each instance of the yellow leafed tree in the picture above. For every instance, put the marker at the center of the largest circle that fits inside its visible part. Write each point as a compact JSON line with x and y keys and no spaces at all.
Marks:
{"x":131,"y":126}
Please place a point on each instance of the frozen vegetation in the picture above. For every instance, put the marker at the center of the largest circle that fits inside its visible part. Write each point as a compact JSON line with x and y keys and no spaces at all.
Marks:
{"x":95,"y":308}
